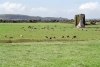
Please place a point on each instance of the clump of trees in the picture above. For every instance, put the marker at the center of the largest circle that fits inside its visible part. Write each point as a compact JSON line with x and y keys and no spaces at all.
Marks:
{"x":93,"y":22}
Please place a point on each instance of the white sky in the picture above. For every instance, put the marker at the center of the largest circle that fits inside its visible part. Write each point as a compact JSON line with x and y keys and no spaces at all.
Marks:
{"x":51,"y":8}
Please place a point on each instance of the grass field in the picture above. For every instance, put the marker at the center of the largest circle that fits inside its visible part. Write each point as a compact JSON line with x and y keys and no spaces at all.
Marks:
{"x":29,"y":45}
{"x":37,"y":33}
{"x":50,"y":54}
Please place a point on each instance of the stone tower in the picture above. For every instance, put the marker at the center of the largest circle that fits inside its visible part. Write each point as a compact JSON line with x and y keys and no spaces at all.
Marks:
{"x":79,"y":20}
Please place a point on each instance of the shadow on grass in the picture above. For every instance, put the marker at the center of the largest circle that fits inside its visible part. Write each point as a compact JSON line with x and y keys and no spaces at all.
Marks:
{"x":31,"y":40}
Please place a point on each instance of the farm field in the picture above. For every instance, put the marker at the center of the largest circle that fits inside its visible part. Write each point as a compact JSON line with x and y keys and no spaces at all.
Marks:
{"x":50,"y":54}
{"x":44,"y":32}
{"x":49,"y":45}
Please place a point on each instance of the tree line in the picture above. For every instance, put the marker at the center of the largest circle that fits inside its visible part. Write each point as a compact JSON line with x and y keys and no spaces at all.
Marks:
{"x":93,"y":22}
{"x":37,"y":21}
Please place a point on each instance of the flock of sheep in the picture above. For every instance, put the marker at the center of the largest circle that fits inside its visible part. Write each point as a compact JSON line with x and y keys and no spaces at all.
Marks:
{"x":52,"y":28}
{"x":32,"y":28}
{"x":49,"y":28}
{"x":61,"y":37}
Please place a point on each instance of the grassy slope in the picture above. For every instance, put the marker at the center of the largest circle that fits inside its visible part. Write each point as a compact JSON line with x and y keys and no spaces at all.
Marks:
{"x":56,"y":54}
{"x":91,"y":32}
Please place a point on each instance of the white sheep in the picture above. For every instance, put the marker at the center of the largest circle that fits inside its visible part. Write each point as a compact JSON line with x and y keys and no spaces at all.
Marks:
{"x":21,"y":35}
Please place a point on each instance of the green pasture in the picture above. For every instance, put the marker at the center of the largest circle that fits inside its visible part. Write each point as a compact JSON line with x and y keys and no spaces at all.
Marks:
{"x":91,"y":32}
{"x":50,"y":54}
{"x":39,"y":51}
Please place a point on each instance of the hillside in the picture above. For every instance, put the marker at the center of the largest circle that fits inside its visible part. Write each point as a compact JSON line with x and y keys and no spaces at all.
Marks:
{"x":26,"y":17}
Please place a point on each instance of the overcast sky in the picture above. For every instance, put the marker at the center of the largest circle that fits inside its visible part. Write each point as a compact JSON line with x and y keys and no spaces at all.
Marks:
{"x":51,"y":8}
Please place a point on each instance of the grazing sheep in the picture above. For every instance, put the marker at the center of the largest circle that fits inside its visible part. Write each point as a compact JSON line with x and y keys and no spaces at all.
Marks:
{"x":62,"y":36}
{"x":35,"y":28}
{"x":50,"y":37}
{"x":29,"y":26}
{"x":54,"y":37}
{"x":21,"y":35}
{"x":22,"y":28}
{"x":74,"y":37}
{"x":10,"y":37}
{"x":52,"y":29}
{"x":68,"y":36}
{"x":46,"y":36}
{"x":5,"y":35}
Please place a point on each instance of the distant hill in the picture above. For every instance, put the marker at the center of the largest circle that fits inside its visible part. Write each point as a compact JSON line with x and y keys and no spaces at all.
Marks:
{"x":26,"y":17}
